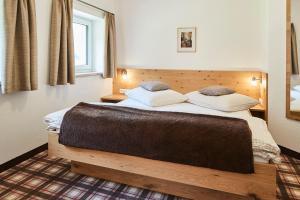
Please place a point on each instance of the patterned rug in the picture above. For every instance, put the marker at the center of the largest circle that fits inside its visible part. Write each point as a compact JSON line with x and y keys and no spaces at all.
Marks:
{"x":44,"y":178}
{"x":288,"y":179}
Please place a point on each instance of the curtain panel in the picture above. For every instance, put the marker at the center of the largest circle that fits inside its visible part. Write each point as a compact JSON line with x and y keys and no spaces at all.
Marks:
{"x":62,"y":67}
{"x":110,"y":46}
{"x":20,"y":71}
{"x":2,"y":45}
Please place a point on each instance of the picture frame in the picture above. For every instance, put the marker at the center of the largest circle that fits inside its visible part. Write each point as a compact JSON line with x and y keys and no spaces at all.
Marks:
{"x":186,"y":40}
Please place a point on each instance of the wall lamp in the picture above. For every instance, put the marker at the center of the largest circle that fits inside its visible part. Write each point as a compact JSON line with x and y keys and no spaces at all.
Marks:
{"x":124,"y":74}
{"x":254,"y":81}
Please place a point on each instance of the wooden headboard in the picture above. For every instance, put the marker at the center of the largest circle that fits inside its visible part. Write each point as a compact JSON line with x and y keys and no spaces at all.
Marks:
{"x":185,"y":81}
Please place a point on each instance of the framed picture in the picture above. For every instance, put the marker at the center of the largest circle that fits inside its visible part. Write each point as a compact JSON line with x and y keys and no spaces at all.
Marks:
{"x":186,"y":39}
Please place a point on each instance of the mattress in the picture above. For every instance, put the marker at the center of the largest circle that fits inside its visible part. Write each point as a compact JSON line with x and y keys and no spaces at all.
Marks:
{"x":265,"y":149}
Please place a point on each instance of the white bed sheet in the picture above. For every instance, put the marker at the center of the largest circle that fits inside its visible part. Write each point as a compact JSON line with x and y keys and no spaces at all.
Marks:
{"x":264,"y":147}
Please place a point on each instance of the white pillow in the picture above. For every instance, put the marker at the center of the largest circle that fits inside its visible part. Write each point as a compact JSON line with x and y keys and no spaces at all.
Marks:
{"x":155,"y":99}
{"x":297,"y":88}
{"x":228,"y":103}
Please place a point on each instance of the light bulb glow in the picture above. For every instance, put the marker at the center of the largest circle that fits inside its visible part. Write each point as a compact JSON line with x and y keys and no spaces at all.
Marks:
{"x":124,"y":74}
{"x":254,"y":81}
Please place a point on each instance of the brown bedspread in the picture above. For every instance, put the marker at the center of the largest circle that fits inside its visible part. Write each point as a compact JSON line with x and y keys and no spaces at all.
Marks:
{"x":193,"y":139}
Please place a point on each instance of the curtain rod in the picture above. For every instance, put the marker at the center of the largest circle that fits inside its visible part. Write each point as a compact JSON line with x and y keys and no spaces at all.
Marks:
{"x":94,"y":6}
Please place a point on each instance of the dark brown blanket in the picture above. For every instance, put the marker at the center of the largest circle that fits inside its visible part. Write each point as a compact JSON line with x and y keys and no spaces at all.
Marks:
{"x":193,"y":139}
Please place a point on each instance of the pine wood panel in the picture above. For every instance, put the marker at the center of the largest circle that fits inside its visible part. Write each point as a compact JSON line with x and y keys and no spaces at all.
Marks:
{"x":264,"y":88}
{"x":186,"y":181}
{"x":185,"y":81}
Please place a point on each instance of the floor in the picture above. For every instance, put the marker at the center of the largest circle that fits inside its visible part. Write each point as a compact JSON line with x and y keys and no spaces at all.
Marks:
{"x":288,"y":179}
{"x":44,"y":178}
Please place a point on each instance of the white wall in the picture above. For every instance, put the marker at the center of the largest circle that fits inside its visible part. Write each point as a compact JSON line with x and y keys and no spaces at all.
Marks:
{"x":231,"y":33}
{"x":286,"y":132}
{"x":21,"y":114}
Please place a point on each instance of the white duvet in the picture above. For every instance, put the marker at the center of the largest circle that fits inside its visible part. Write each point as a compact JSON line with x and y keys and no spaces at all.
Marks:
{"x":264,"y":147}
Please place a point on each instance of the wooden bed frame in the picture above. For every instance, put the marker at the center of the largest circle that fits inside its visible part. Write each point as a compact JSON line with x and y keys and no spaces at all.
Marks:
{"x":171,"y":178}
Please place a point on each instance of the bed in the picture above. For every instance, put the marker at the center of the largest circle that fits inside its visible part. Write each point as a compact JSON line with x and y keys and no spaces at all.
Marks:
{"x":179,"y":179}
{"x":264,"y":147}
{"x":265,"y":151}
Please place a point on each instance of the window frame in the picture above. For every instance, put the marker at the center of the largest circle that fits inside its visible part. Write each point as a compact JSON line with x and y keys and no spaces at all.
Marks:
{"x":89,"y":68}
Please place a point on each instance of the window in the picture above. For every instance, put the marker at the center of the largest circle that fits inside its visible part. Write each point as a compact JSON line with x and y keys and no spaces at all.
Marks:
{"x":83,"y":29}
{"x":88,"y":28}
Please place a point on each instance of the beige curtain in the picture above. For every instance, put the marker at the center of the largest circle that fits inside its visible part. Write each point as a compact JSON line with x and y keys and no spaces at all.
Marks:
{"x":21,"y":46}
{"x":295,"y":64}
{"x":62,"y":67}
{"x":110,"y":46}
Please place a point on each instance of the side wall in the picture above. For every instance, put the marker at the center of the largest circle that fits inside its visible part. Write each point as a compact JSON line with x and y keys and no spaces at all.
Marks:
{"x":286,"y":132}
{"x":21,"y":114}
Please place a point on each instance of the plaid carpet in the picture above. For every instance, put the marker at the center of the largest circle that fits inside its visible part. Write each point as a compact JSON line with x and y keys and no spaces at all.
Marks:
{"x":288,"y":179}
{"x":44,"y":178}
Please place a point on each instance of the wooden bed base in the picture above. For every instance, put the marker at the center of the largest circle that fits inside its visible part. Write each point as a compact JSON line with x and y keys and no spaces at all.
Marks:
{"x":171,"y":178}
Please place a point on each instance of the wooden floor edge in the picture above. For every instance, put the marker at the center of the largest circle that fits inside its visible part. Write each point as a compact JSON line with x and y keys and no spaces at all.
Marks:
{"x":261,"y":185}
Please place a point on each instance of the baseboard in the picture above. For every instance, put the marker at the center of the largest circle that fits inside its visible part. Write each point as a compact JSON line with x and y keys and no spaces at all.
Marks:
{"x":290,"y":152}
{"x":23,"y":157}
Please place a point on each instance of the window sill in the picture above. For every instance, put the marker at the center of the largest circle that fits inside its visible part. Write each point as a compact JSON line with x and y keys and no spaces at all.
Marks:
{"x":88,"y":74}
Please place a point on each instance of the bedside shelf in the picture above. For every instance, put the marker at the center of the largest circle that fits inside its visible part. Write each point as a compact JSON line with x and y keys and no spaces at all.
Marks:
{"x":115,"y":98}
{"x":258,"y":111}
{"x":258,"y":107}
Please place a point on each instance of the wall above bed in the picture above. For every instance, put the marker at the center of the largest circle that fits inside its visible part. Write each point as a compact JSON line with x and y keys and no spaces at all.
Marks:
{"x":231,"y":34}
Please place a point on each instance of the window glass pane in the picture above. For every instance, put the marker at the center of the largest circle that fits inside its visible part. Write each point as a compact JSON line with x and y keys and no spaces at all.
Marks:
{"x":80,"y":43}
{"x":88,"y":42}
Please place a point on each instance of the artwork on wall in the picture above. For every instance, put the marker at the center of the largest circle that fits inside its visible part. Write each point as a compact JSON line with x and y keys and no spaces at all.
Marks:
{"x":186,"y":39}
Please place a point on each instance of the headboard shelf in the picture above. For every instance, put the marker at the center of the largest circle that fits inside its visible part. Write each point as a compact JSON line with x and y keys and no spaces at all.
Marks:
{"x":185,"y":81}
